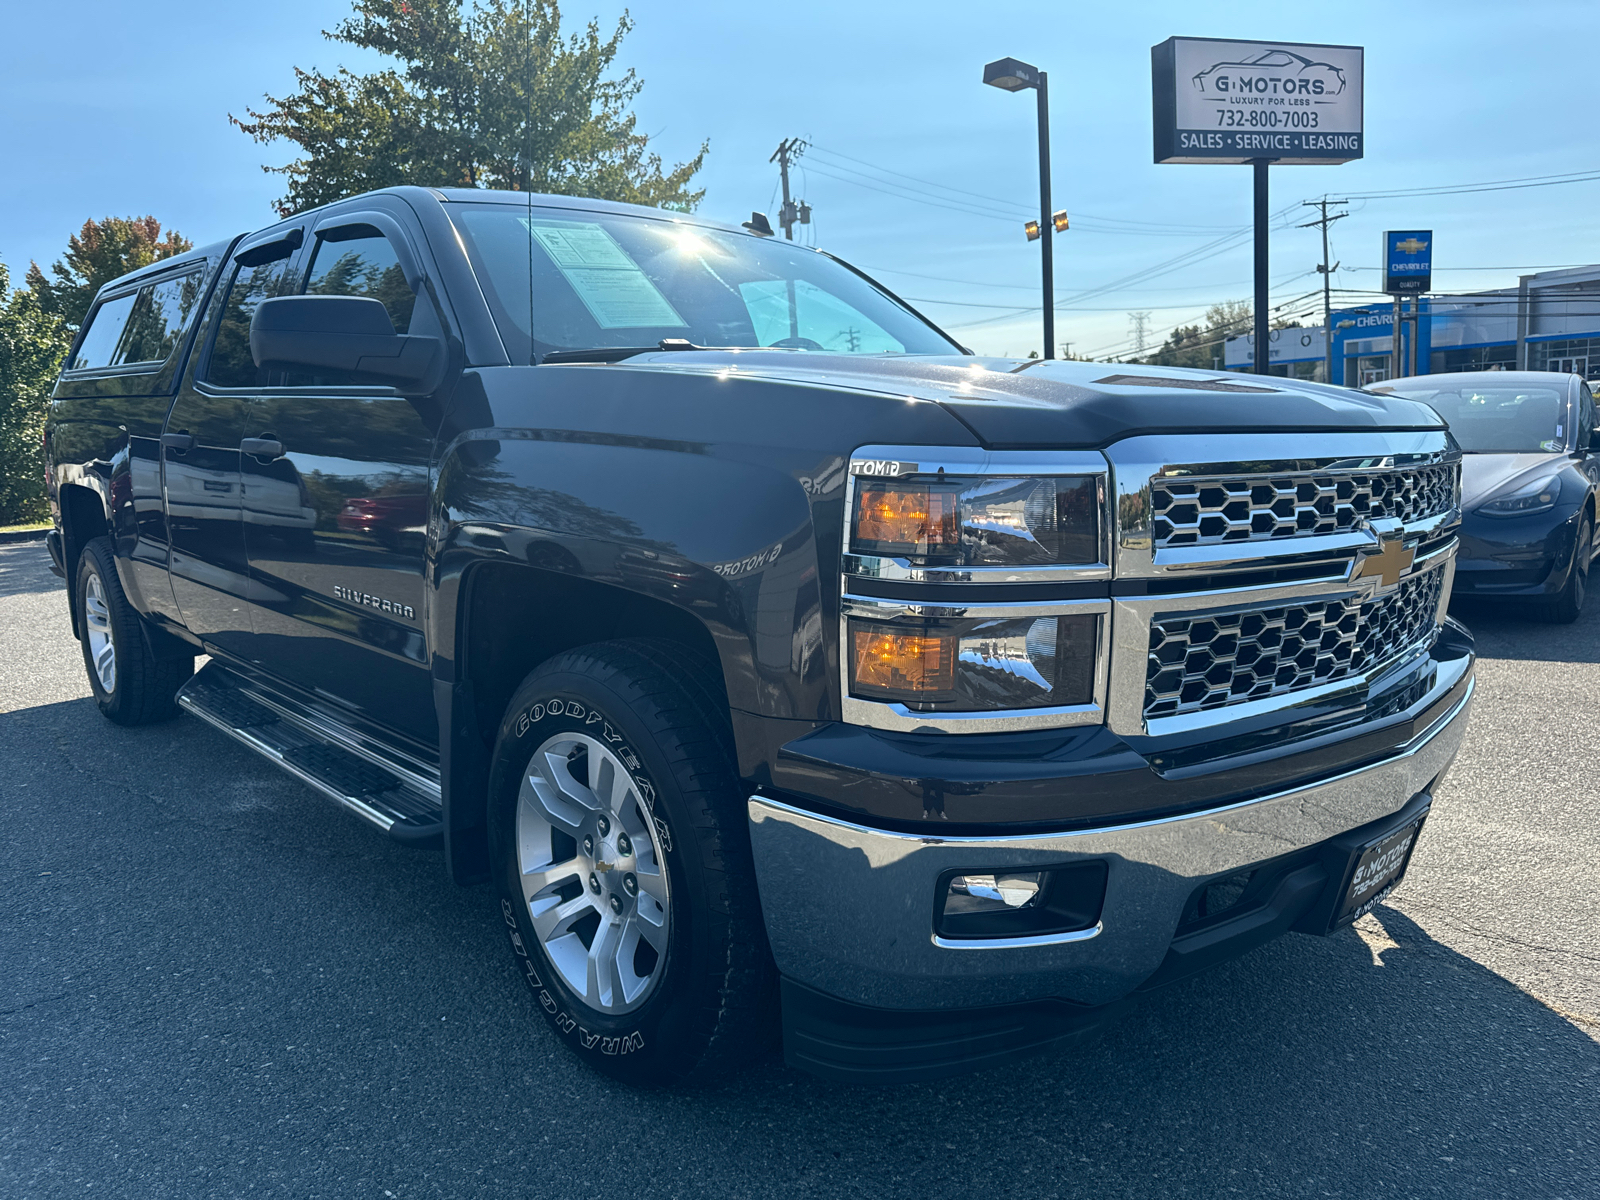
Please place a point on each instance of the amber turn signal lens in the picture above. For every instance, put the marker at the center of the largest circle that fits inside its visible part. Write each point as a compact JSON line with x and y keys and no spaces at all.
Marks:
{"x":904,"y":519}
{"x":893,"y":664}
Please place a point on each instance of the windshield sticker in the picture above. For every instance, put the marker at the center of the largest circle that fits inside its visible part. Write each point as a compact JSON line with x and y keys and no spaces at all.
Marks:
{"x":616,"y":292}
{"x":1552,"y":445}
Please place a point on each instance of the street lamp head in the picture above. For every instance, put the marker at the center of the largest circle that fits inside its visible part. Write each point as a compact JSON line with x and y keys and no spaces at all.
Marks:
{"x":1011,"y":75}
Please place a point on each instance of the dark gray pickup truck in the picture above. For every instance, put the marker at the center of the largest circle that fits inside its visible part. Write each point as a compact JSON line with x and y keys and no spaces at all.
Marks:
{"x":777,"y":662}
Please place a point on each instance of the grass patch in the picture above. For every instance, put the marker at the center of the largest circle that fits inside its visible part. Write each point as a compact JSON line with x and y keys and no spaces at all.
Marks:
{"x":26,"y":527}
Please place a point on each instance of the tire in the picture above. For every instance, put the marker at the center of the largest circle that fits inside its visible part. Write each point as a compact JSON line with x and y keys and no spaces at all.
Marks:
{"x":1567,"y":605}
{"x":682,"y":987}
{"x":131,"y":684}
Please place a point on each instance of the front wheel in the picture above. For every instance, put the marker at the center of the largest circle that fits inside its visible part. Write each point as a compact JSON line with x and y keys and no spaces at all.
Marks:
{"x":1567,"y":605}
{"x":131,"y":683}
{"x":621,"y":851}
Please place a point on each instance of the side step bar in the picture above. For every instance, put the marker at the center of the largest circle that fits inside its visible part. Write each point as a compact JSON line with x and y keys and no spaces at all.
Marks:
{"x":398,"y":795}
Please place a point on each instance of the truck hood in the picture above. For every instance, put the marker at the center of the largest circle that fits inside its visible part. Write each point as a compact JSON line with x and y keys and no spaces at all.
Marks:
{"x":1015,"y":403}
{"x":1482,"y":475}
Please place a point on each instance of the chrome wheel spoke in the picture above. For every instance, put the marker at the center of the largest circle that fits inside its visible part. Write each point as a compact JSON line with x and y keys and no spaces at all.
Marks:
{"x":101,"y":646}
{"x":553,"y":917}
{"x":537,"y":881}
{"x":604,"y":989}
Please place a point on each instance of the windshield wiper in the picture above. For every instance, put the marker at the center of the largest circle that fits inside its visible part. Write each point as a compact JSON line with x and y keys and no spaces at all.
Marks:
{"x":608,"y":354}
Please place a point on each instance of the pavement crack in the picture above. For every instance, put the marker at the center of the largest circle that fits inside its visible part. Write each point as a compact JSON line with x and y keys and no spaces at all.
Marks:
{"x":6,"y":1012}
{"x":1447,"y":915}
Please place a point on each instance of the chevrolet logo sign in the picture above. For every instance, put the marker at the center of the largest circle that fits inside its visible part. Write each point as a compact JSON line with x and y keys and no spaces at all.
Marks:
{"x":1411,"y":246}
{"x":1391,"y":561}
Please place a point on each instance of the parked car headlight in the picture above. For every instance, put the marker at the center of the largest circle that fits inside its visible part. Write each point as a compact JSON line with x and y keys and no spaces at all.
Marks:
{"x":974,"y":664}
{"x":1535,"y":496}
{"x":993,"y":521}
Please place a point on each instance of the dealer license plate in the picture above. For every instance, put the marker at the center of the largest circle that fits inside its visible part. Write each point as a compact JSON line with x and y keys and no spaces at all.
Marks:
{"x":1379,"y":870}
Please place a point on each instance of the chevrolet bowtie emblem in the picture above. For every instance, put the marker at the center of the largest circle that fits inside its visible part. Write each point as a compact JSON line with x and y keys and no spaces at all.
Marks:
{"x":1391,"y":560}
{"x":603,"y":867}
{"x":1411,"y":246}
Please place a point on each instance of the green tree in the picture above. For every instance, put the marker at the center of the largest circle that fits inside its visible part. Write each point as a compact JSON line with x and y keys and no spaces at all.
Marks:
{"x":489,"y":96}
{"x":1199,"y":346}
{"x":97,"y":254}
{"x":32,"y":343}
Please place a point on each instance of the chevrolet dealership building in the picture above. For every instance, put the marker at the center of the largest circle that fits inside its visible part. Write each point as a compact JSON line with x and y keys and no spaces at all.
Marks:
{"x":1549,"y":322}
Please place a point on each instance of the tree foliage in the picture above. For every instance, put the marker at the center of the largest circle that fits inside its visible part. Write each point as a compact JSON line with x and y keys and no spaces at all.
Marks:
{"x":32,"y":344}
{"x":1199,"y":346}
{"x":97,"y":254}
{"x":488,"y":96}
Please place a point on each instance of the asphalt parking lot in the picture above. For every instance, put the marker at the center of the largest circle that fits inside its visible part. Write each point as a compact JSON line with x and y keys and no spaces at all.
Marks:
{"x":215,"y":984}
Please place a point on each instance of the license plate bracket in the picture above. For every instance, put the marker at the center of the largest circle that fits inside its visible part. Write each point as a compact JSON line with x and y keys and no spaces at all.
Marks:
{"x":1376,"y":869}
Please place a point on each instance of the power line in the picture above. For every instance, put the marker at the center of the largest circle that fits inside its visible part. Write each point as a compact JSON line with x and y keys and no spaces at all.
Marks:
{"x":1496,"y":185}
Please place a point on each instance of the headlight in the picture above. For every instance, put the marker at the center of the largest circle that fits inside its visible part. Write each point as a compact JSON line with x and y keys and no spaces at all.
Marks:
{"x":1538,"y":496}
{"x":974,"y":664}
{"x":992,"y":521}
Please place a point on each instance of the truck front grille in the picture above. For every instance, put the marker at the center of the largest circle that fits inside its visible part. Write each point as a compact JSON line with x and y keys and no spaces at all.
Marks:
{"x":1206,"y":661}
{"x":1258,"y":508}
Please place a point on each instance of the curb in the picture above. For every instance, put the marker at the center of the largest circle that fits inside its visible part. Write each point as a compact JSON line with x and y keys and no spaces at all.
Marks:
{"x":24,"y":535}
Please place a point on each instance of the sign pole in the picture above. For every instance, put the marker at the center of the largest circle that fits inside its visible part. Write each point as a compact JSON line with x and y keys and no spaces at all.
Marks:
{"x":1263,"y":356}
{"x":1395,"y":360}
{"x":1045,"y":232}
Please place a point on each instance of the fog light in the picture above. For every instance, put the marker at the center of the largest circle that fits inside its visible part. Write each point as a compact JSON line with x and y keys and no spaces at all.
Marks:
{"x":993,"y":893}
{"x":1000,"y":904}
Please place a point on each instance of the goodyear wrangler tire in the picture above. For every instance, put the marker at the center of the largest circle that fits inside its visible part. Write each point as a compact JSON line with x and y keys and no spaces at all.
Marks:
{"x":131,"y":683}
{"x":621,"y":854}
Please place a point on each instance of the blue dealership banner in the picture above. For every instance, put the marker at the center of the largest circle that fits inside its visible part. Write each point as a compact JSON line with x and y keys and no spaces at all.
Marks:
{"x":1407,"y":261}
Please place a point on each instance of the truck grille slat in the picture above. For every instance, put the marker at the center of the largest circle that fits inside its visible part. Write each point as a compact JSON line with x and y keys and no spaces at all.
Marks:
{"x":1207,"y":661}
{"x":1258,"y":508}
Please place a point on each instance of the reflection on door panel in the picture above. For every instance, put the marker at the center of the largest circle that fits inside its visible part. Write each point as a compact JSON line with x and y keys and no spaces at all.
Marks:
{"x":336,"y":525}
{"x":201,"y":481}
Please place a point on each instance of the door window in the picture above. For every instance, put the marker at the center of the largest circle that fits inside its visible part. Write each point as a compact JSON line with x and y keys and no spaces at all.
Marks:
{"x":159,"y":318}
{"x":231,"y":365}
{"x":363,"y":266}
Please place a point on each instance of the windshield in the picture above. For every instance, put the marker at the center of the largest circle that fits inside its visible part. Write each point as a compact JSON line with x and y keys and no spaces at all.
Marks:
{"x":572,"y":280}
{"x":1500,"y":420}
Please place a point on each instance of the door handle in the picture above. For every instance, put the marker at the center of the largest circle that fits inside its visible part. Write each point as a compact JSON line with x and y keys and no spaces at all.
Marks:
{"x":262,"y":447}
{"x":180,"y":442}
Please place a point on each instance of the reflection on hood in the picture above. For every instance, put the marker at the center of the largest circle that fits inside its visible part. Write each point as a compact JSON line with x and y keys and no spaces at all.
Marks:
{"x":1482,"y":475}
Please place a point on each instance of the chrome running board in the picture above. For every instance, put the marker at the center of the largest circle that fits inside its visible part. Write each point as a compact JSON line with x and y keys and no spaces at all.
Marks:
{"x":399,"y":795}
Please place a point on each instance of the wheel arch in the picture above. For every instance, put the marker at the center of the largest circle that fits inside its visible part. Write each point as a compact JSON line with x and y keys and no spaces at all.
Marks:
{"x":84,"y":517}
{"x":503,"y":631}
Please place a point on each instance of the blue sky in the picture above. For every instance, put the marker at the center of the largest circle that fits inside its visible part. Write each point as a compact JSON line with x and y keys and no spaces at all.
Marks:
{"x":116,"y":109}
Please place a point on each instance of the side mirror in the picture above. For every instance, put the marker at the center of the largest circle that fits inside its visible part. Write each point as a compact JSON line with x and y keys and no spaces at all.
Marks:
{"x":339,"y":333}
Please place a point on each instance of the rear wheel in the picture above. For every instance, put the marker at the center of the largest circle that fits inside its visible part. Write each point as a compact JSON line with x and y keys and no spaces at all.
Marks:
{"x":1566,"y":605}
{"x":622,"y":858}
{"x":131,"y":683}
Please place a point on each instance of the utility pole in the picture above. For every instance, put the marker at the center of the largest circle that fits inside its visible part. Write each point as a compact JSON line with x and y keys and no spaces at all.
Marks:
{"x":1140,"y":321}
{"x":1326,"y":272}
{"x":791,"y":214}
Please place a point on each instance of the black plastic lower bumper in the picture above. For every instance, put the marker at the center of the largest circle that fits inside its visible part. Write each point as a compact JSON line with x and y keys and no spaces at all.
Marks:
{"x":846,"y":1042}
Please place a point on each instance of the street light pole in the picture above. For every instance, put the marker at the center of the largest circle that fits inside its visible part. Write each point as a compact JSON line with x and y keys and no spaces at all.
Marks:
{"x":1013,"y":75}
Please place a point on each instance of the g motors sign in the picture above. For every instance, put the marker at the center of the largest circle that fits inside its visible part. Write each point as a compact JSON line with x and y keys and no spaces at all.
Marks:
{"x":1224,"y":101}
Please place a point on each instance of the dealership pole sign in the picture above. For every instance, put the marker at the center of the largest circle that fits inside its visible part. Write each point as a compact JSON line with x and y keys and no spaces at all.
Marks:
{"x":1218,"y":100}
{"x":1224,"y":101}
{"x":1407,"y":261}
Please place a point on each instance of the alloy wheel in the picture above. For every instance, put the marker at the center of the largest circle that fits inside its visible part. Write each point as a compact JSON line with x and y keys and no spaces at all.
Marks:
{"x":592,"y":871}
{"x":97,"y":623}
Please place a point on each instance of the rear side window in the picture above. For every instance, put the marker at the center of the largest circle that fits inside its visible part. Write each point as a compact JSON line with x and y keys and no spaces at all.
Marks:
{"x":140,"y":328}
{"x":98,"y":347}
{"x":159,"y":319}
{"x":365,"y":266}
{"x":231,"y":365}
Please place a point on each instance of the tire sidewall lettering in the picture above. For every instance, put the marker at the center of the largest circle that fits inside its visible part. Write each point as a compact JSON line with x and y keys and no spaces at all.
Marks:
{"x":588,"y":720}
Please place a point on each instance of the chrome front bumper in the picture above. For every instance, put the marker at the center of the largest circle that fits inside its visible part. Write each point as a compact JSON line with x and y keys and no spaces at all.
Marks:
{"x":849,"y":909}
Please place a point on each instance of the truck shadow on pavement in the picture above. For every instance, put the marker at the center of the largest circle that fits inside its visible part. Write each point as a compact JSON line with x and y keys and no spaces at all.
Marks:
{"x":266,"y":993}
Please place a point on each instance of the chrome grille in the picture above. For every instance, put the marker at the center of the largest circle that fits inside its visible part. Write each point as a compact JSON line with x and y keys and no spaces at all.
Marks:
{"x":1207,"y":661}
{"x":1259,"y":508}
